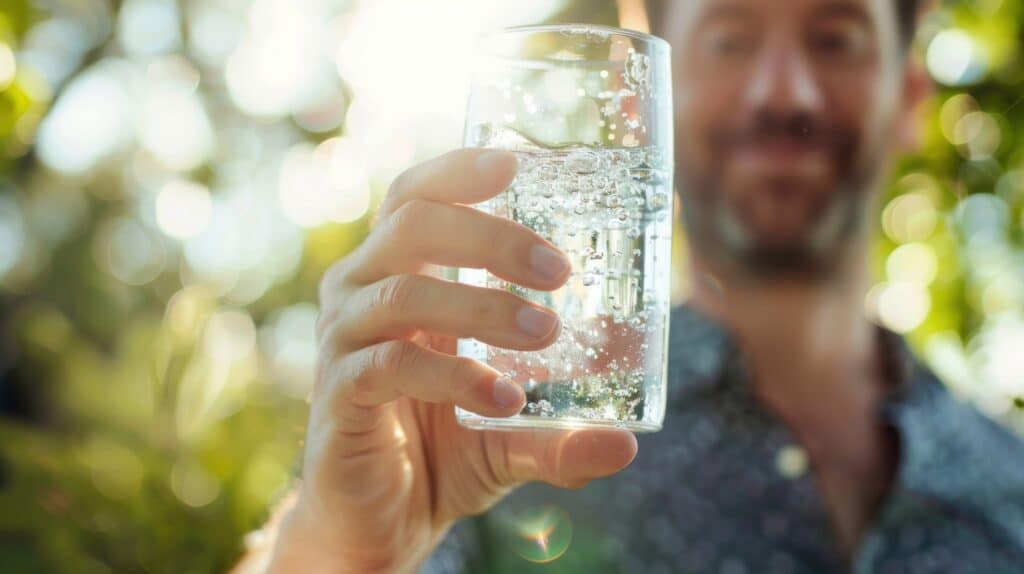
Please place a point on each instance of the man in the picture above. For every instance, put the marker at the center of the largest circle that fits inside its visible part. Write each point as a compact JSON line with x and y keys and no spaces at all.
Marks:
{"x":799,"y":436}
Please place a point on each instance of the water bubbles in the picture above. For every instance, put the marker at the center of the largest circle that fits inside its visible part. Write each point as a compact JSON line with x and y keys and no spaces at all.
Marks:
{"x":548,"y":172}
{"x":585,"y":184}
{"x":637,"y":72}
{"x":654,"y":157}
{"x":590,"y":202}
{"x":658,"y":201}
{"x":634,"y":157}
{"x":588,"y":34}
{"x":582,"y":161}
{"x":482,"y":134}
{"x":541,"y":408}
{"x":616,"y":158}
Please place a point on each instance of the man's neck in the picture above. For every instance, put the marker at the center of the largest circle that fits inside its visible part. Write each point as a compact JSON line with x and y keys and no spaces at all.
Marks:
{"x":814,"y":361}
{"x":793,"y":331}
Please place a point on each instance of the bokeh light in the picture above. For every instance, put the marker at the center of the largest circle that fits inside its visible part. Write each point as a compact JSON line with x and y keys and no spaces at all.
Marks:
{"x":91,"y":121}
{"x":128,"y":251}
{"x":183,"y":209}
{"x":909,"y":217}
{"x":173,"y":125}
{"x":954,"y":59}
{"x":289,"y":339}
{"x":912,"y":262}
{"x":899,"y":305}
{"x":148,"y":27}
{"x":12,"y":234}
{"x":8,"y":65}
{"x":193,"y":485}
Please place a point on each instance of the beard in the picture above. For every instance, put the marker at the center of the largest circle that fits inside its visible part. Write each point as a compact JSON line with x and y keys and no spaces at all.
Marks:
{"x":824,"y":213}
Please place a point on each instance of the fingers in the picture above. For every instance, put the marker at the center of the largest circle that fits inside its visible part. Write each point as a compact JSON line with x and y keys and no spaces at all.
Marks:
{"x":398,"y":306}
{"x":467,"y":175}
{"x":360,"y":381}
{"x":423,"y":231}
{"x":567,"y":459}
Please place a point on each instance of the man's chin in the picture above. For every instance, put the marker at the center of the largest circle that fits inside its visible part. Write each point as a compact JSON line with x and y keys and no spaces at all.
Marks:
{"x":782,"y":259}
{"x":781,"y":249}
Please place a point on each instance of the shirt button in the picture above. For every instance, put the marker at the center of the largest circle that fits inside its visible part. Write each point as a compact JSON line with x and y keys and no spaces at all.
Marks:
{"x":791,"y":461}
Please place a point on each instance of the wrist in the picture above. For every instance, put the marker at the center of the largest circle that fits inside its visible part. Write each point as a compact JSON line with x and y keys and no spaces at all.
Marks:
{"x":299,"y":545}
{"x":303,"y":543}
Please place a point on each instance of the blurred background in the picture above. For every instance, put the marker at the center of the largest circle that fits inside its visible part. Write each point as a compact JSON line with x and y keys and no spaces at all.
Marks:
{"x":175,"y":176}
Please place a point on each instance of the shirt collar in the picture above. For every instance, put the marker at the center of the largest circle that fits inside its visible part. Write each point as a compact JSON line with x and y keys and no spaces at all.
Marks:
{"x":701,"y":350}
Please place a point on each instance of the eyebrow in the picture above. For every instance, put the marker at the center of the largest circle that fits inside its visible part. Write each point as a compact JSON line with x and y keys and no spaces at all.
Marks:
{"x":728,"y":10}
{"x":853,"y":10}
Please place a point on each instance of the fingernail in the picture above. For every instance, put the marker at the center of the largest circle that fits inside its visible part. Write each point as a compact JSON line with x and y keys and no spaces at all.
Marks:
{"x":489,"y":161}
{"x":535,"y":322}
{"x":547,"y":262}
{"x":506,"y":393}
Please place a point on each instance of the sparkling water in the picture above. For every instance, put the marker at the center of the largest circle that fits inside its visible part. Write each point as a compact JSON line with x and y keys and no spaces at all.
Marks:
{"x":610,"y":210}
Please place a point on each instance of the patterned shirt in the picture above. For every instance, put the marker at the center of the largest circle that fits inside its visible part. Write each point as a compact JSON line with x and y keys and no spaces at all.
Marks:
{"x":725,"y":488}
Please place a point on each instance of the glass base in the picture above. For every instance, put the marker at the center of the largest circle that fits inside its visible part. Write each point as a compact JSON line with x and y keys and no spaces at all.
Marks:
{"x":521,"y":422}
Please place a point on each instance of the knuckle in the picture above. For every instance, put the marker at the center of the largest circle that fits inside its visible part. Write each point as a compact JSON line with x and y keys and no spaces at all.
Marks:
{"x":402,"y":181}
{"x":406,"y":218}
{"x":359,"y":382}
{"x":394,"y":357}
{"x":359,"y":373}
{"x":395,"y":294}
{"x":333,"y":278}
{"x":462,"y":372}
{"x":324,"y":322}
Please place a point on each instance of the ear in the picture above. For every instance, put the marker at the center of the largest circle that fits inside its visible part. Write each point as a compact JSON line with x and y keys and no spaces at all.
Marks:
{"x":917,"y":89}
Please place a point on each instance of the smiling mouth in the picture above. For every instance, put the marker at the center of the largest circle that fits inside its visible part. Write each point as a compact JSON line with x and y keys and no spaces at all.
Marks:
{"x":779,"y":158}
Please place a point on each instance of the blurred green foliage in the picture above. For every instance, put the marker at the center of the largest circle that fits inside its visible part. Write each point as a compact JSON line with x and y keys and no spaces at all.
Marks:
{"x":131,"y":447}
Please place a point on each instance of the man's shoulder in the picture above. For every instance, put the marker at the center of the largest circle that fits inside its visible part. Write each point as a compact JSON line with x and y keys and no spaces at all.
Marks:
{"x":951,"y":445}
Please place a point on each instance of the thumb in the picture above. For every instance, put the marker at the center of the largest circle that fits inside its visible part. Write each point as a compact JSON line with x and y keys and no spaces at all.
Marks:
{"x":568,"y":459}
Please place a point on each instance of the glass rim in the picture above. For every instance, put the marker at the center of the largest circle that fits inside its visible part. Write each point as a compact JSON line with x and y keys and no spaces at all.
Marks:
{"x":611,"y":30}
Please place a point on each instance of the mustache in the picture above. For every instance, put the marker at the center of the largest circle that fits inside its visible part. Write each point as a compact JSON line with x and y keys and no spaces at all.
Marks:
{"x":800,"y":128}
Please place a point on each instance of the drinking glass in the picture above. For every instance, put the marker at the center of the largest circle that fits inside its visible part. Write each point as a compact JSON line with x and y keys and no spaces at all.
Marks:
{"x":588,"y":112}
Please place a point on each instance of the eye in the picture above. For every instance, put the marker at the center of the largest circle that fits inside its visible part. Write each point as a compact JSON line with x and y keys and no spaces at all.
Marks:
{"x":840,"y":41}
{"x":730,"y":42}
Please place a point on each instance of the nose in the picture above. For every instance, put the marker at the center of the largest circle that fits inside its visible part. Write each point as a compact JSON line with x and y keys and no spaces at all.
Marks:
{"x":783,"y":83}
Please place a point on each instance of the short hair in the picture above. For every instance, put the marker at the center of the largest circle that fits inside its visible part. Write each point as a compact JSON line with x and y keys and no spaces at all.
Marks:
{"x":906,"y":12}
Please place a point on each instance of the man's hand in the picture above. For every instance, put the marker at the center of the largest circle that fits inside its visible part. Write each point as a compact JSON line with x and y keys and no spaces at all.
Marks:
{"x":387,"y":469}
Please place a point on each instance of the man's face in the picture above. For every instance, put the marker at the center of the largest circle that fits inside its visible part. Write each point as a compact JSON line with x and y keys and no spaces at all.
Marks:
{"x":785,"y":114}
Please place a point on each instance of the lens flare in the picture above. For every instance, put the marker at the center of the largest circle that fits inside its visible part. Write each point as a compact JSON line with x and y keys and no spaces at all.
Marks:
{"x":541,"y":534}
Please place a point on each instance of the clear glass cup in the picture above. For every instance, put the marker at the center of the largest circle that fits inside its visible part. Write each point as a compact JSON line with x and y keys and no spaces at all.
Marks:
{"x":588,"y":111}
